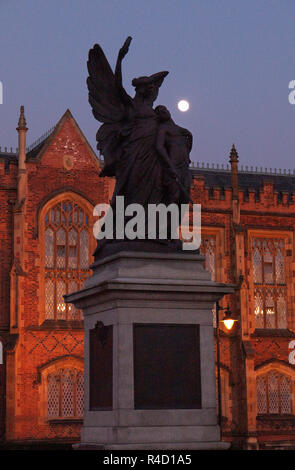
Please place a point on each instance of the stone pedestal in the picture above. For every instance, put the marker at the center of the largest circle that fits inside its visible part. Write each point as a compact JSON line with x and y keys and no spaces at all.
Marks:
{"x":149,"y":353}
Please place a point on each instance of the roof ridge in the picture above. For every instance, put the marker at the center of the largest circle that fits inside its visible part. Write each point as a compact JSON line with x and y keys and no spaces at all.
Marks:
{"x":40,"y":140}
{"x":242,"y":169}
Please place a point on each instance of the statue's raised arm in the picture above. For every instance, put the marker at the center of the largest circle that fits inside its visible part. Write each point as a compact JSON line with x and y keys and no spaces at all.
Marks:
{"x":106,"y":94}
{"x":118,"y":71}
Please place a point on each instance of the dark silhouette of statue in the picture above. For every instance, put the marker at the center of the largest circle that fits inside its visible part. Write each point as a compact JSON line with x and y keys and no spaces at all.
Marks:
{"x":143,"y":148}
{"x":174,"y":144}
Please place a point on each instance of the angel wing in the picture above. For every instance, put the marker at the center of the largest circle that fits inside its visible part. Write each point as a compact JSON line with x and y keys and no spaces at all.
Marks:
{"x":108,"y":106}
{"x":104,"y":96}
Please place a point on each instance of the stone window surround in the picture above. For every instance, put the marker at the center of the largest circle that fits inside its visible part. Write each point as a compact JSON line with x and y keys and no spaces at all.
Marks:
{"x":88,"y":208}
{"x":281,"y":368}
{"x":289,"y":243}
{"x":54,"y":366}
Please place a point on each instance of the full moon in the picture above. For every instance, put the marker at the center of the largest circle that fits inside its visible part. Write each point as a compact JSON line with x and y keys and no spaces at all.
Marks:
{"x":183,"y":105}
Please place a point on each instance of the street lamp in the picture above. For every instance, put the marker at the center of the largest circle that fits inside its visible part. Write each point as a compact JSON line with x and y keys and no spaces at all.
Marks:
{"x":228,"y":321}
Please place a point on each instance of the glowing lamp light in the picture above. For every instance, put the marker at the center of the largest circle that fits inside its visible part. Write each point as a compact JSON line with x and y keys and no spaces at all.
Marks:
{"x":257,"y":311}
{"x":61,"y":307}
{"x":229,"y":323}
{"x":228,"y":320}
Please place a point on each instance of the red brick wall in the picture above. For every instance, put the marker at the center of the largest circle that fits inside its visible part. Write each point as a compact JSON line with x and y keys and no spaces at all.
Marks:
{"x":37,"y":344}
{"x":8,"y":181}
{"x":265,"y":214}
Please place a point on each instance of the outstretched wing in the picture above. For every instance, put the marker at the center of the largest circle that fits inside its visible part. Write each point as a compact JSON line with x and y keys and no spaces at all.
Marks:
{"x":104,"y":97}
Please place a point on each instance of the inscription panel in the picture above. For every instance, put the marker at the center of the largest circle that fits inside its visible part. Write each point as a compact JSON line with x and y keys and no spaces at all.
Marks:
{"x":166,"y":366}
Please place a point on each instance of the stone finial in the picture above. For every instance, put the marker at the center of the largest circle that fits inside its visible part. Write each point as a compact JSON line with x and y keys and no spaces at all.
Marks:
{"x":22,"y":125}
{"x":234,"y":157}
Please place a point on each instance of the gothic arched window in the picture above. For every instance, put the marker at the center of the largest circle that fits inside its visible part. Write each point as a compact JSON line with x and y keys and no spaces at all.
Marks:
{"x":65,"y":394}
{"x":270,"y":289}
{"x":66,"y":263}
{"x":274,"y":393}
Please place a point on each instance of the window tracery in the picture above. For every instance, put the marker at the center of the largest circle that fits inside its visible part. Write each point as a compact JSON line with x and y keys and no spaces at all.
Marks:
{"x":67,"y":241}
{"x":270,"y":290}
{"x":274,"y":393}
{"x":65,"y":394}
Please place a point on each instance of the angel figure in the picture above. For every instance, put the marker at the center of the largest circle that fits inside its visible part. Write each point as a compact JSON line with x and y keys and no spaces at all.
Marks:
{"x":127,"y":136}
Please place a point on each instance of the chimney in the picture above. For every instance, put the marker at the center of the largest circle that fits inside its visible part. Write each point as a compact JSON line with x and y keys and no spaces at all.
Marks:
{"x":234,"y":159}
{"x":22,"y":171}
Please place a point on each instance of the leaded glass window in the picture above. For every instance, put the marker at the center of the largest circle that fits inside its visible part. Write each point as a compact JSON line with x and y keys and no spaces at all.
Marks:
{"x":65,"y":394}
{"x":274,"y":393}
{"x":66,"y":257}
{"x":270,"y":290}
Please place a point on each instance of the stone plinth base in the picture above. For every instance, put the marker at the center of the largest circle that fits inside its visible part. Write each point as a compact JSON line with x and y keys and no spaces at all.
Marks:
{"x":149,"y":353}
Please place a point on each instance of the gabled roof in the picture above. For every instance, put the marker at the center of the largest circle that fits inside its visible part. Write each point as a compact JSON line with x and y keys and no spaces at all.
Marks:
{"x":35,"y":152}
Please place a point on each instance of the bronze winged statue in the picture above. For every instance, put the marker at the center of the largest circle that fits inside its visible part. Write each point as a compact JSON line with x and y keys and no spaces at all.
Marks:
{"x":127,"y":138}
{"x":143,"y":148}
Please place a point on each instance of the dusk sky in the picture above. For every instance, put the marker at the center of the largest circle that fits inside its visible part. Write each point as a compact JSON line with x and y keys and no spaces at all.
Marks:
{"x":231,"y":59}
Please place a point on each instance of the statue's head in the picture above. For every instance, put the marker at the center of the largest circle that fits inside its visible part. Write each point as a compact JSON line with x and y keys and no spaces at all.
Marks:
{"x":162,"y":113}
{"x":148,"y":87}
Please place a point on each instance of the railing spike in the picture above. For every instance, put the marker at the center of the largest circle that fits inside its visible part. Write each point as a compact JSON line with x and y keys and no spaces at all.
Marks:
{"x":41,"y":139}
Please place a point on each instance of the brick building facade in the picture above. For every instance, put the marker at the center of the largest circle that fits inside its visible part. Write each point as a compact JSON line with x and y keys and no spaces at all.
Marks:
{"x":47,"y":195}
